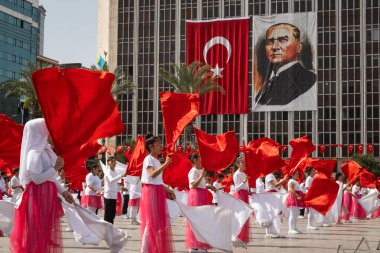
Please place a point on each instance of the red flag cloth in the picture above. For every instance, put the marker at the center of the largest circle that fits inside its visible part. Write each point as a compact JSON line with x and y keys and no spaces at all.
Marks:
{"x":176,"y":174}
{"x":178,"y":110}
{"x":367,"y":179}
{"x":227,"y":182}
{"x":302,"y":148}
{"x":351,"y":170}
{"x":78,"y":108}
{"x":324,"y":166}
{"x":360,"y":148}
{"x":370,"y":149}
{"x":322,"y":193}
{"x":262,"y":157}
{"x":222,"y":44}
{"x":82,"y":172}
{"x":217,"y":152}
{"x":10,"y":143}
{"x":137,"y":158}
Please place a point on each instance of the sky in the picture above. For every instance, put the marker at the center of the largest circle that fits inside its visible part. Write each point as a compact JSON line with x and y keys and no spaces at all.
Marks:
{"x":71,"y":30}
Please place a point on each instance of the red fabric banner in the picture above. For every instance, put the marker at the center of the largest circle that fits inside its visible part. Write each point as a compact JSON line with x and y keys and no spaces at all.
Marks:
{"x":79,"y":109}
{"x":324,"y":166}
{"x":217,"y":152}
{"x":10,"y":143}
{"x":351,"y":170}
{"x":322,"y":193}
{"x":262,"y":157}
{"x":302,"y":148}
{"x":178,"y":110}
{"x":176,"y":174}
{"x":367,"y":179}
{"x":223,"y":44}
{"x":137,"y":158}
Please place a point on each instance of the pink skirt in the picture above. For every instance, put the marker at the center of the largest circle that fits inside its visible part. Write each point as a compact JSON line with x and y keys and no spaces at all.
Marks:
{"x":119,"y":204}
{"x":196,"y":197}
{"x":1,"y":195}
{"x":155,"y":229}
{"x":134,"y":202}
{"x":346,"y":205}
{"x":37,"y":227}
{"x":291,"y":200}
{"x":357,"y":211}
{"x":377,"y":212}
{"x":92,"y":200}
{"x":245,"y":234}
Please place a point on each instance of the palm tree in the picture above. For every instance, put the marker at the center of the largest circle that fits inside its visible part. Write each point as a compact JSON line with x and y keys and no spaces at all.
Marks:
{"x":122,"y":83}
{"x":23,"y":88}
{"x":191,"y":79}
{"x":194,"y":78}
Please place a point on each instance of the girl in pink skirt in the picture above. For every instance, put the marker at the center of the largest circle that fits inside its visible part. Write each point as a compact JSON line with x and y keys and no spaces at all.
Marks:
{"x":92,"y":194}
{"x":155,"y":229}
{"x":198,"y":196}
{"x":242,"y":193}
{"x":357,"y":211}
{"x":294,"y":202}
{"x":37,"y":226}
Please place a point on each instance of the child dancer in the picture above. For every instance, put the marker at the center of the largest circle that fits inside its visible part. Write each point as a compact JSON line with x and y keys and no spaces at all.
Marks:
{"x":294,"y":202}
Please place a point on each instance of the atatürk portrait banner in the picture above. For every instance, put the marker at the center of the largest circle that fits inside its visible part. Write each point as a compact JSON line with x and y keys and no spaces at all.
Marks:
{"x":285,"y":62}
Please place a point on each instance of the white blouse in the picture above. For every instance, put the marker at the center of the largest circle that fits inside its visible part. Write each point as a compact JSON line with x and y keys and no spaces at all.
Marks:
{"x":40,"y":169}
{"x":239,"y":177}
{"x":95,"y":182}
{"x":193,"y":175}
{"x":296,"y":185}
{"x":268,"y":182}
{"x":146,"y":178}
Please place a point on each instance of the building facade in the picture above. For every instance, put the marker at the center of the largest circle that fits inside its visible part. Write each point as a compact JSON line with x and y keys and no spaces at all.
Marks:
{"x":20,"y":36}
{"x":150,"y":35}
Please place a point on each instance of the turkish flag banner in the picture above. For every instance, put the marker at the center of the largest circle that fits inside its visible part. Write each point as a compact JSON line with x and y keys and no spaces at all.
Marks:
{"x":222,"y":44}
{"x":178,"y":110}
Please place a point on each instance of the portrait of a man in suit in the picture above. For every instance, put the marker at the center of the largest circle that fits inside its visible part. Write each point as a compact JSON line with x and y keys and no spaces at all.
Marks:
{"x":286,"y":77}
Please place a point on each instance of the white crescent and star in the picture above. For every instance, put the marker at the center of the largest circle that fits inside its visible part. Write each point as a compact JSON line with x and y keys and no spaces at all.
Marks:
{"x":212,"y":42}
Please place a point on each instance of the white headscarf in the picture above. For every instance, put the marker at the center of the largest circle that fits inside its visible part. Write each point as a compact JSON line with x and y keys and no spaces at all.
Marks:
{"x":35,"y":137}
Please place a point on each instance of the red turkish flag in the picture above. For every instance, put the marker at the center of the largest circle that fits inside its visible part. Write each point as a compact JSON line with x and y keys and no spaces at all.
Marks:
{"x":360,"y":148}
{"x":262,"y":157}
{"x":351,"y":170}
{"x":369,"y":148}
{"x":176,"y":173}
{"x":178,"y":110}
{"x":10,"y":143}
{"x":322,"y":193}
{"x":79,"y":109}
{"x":217,"y":152}
{"x":223,"y":44}
{"x":137,"y":158}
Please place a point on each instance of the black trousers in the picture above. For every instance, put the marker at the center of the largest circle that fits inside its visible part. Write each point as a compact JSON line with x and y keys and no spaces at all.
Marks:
{"x":109,"y":210}
{"x":125,"y":204}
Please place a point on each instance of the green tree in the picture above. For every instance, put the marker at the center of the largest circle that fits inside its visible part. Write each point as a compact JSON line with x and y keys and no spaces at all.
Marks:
{"x":23,"y":88}
{"x":122,"y":83}
{"x":193,"y":78}
{"x":369,"y":162}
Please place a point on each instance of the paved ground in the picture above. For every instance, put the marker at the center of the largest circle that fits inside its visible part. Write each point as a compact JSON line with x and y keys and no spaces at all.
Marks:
{"x":323,"y":240}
